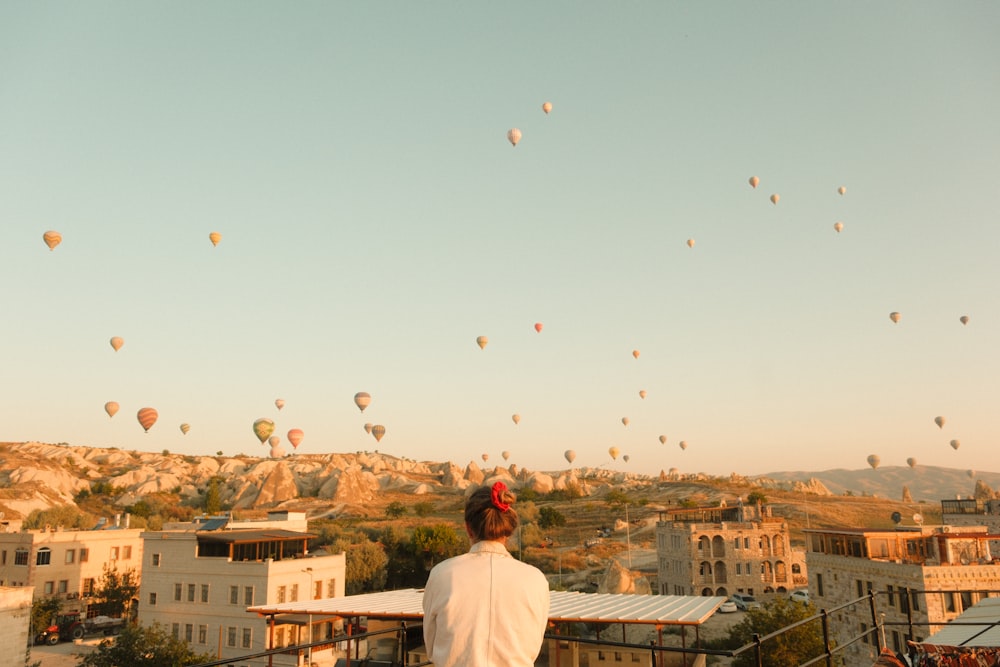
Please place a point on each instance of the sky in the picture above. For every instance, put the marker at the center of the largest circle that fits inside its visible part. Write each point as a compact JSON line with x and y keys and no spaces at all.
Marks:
{"x":375,"y":221}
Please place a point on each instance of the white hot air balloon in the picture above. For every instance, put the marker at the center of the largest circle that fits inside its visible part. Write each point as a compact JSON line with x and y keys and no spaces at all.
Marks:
{"x":513,"y":136}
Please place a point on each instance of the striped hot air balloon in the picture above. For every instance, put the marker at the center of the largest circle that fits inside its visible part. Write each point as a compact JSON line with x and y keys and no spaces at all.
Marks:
{"x":147,"y":417}
{"x":362,"y":399}
{"x":52,"y":239}
{"x":378,"y":431}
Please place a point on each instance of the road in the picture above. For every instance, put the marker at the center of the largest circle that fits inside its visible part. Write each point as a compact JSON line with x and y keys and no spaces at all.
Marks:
{"x":63,"y":654}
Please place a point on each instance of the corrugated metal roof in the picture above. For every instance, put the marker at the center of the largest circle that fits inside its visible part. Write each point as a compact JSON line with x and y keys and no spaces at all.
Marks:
{"x":263,"y":535}
{"x":986,"y":611}
{"x":564,"y":607}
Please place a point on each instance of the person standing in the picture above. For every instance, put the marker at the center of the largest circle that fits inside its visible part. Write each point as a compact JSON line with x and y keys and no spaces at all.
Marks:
{"x":485,"y":608}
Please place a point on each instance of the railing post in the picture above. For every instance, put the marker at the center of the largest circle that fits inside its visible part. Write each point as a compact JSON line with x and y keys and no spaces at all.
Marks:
{"x":402,"y":643}
{"x":909,"y":614}
{"x":826,"y":637}
{"x":758,"y":655}
{"x":875,"y":628}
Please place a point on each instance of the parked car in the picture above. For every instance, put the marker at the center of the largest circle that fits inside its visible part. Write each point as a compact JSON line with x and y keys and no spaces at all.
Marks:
{"x":801,"y":595}
{"x":744,"y":602}
{"x":728,"y":607}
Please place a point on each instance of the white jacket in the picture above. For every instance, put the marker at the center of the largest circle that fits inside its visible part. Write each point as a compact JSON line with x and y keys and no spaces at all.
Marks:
{"x":485,"y":609}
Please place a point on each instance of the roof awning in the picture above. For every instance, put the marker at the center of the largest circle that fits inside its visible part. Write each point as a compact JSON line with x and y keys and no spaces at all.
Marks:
{"x":564,"y":607}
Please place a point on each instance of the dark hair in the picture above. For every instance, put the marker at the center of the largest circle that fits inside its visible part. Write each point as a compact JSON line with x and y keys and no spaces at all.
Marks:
{"x":486,"y":521}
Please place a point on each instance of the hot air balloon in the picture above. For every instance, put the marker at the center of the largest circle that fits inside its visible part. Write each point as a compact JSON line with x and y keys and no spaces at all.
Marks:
{"x":117,"y":342}
{"x":279,"y":403}
{"x":964,"y":319}
{"x":940,"y":421}
{"x":570,"y":455}
{"x":625,"y":458}
{"x":486,"y":457}
{"x":613,"y":451}
{"x":505,"y":454}
{"x":111,"y":408}
{"x":663,"y":439}
{"x":481,"y":342}
{"x":277,"y":452}
{"x":295,"y":437}
{"x":839,"y":226}
{"x":147,"y":417}
{"x":538,"y":327}
{"x":912,"y":462}
{"x":635,"y":353}
{"x":642,"y":393}
{"x":513,"y":136}
{"x":971,"y":474}
{"x":215,"y":237}
{"x":690,"y":243}
{"x":368,"y":427}
{"x":775,"y":198}
{"x":754,"y":181}
{"x":263,"y":428}
{"x":185,"y":428}
{"x":362,"y":399}
{"x":955,"y":444}
{"x":625,"y":421}
{"x":274,"y":441}
{"x":873,"y":461}
{"x":378,"y":431}
{"x":547,"y":107}
{"x":683,"y":444}
{"x":52,"y":239}
{"x":516,"y":418}
{"x":841,"y":190}
{"x":895,"y":317}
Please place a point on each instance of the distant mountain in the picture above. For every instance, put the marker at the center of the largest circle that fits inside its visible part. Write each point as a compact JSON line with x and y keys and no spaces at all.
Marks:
{"x":926,"y":483}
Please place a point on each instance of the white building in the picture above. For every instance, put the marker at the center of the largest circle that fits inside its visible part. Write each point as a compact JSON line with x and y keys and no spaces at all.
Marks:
{"x":15,"y":621}
{"x":199,"y":579}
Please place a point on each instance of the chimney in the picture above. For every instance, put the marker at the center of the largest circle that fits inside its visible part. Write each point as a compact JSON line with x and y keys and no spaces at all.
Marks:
{"x":128,"y":520}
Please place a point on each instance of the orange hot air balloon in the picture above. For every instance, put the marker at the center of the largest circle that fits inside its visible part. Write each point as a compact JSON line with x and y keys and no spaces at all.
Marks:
{"x":955,"y":444}
{"x":635,"y":353}
{"x":754,"y":181}
{"x":111,"y":408}
{"x":378,"y":431}
{"x":547,"y":107}
{"x":690,"y":243}
{"x":838,"y":226}
{"x":486,"y":457}
{"x":215,"y":237}
{"x":52,"y":239}
{"x":481,"y":341}
{"x":117,"y":343}
{"x":642,"y":393}
{"x":279,"y":403}
{"x":185,"y":428}
{"x":613,"y":451}
{"x":775,"y":198}
{"x":683,"y":444}
{"x":147,"y":417}
{"x":625,"y":421}
{"x":874,"y":460}
{"x":295,"y":437}
{"x":841,"y":190}
{"x":964,"y":319}
{"x":505,"y":454}
{"x":538,"y":327}
{"x":516,"y":418}
{"x":368,"y":427}
{"x":895,"y":317}
{"x":570,"y":455}
{"x":362,"y":399}
{"x":663,"y":439}
{"x":940,"y":421}
{"x":513,"y":136}
{"x":912,"y":462}
{"x":263,"y":428}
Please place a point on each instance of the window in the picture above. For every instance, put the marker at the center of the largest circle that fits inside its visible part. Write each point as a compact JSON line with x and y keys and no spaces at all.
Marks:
{"x":21,"y":557}
{"x":865,"y":637}
{"x":114,"y":553}
{"x":70,"y":556}
{"x":281,"y":593}
{"x":189,"y":633}
{"x":860,"y":588}
{"x":247,"y":637}
{"x":234,"y":595}
{"x":248,"y":595}
{"x":178,"y":588}
{"x":202,"y":634}
{"x":191,"y":590}
{"x":127,"y":552}
{"x":175,"y":630}
{"x":949,"y":602}
{"x":156,"y":560}
{"x":63,"y":586}
{"x":49,"y":586}
{"x":3,"y":560}
{"x":746,"y":542}
{"x":84,"y":555}
{"x":204,"y":593}
{"x":318,"y":590}
{"x":231,"y":636}
{"x":331,"y":588}
{"x":739,"y":568}
{"x":736,"y":543}
{"x":152,"y":599}
{"x":295,"y":593}
{"x":88,"y":586}
{"x":914,"y":601}
{"x":890,"y":595}
{"x":819,"y":585}
{"x":44,"y":556}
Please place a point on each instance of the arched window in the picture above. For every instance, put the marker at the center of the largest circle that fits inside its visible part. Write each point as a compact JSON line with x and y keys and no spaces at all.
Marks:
{"x":796,"y":568}
{"x":718,"y":547}
{"x":44,"y":556}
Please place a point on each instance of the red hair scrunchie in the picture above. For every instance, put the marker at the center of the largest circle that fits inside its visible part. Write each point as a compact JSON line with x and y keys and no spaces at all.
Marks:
{"x":496,"y":496}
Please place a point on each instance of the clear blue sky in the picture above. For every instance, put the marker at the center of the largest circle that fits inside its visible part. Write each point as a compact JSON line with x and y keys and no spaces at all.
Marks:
{"x":375,"y":221}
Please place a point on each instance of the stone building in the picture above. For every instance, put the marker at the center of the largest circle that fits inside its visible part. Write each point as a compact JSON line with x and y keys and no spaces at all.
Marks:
{"x":972,"y":512}
{"x":200,"y":578}
{"x":15,"y":621}
{"x":926,"y":575}
{"x":724,"y":550}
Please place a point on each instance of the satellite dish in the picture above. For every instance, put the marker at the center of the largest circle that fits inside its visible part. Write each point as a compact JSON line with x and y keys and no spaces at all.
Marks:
{"x":896,"y":517}
{"x":918,"y":519}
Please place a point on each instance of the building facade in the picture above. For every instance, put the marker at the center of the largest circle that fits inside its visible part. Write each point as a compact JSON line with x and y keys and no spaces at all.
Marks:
{"x":725,"y":550}
{"x":199,"y":579}
{"x":924,"y":575}
{"x":68,"y":564}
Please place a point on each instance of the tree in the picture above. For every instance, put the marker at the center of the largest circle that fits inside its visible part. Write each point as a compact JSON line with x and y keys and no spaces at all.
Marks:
{"x":395,"y":509}
{"x":436,"y":543}
{"x":139,"y":646}
{"x":423,"y":509}
{"x":365,"y":568}
{"x":213,"y":495}
{"x":550,"y":517}
{"x":616,"y":498}
{"x":116,"y":590}
{"x":43,"y":613}
{"x":793,"y":647}
{"x":755,"y":497}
